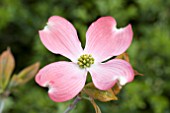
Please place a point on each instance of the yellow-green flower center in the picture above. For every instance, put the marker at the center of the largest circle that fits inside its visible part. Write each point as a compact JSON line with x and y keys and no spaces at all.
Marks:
{"x":85,"y":61}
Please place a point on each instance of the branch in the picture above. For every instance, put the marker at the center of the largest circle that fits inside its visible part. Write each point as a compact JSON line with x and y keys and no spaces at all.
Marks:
{"x":1,"y":105}
{"x":77,"y":99}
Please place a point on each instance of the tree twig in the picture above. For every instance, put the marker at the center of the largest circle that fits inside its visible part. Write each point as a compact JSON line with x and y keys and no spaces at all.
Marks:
{"x":1,"y":105}
{"x":71,"y":106}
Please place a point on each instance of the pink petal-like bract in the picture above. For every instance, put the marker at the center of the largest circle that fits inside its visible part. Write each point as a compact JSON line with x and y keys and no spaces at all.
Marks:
{"x":60,"y":37}
{"x":105,"y":75}
{"x":64,"y":79}
{"x":104,"y":40}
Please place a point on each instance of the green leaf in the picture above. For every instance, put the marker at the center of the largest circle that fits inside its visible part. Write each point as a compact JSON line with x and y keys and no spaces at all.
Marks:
{"x":25,"y":75}
{"x":96,"y":107}
{"x":101,"y":95}
{"x":7,"y":64}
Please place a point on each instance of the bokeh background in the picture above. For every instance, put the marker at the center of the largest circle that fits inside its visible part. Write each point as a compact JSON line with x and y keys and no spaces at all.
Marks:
{"x":149,"y":53}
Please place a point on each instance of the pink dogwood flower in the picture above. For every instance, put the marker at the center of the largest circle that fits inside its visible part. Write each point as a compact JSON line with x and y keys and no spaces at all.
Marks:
{"x":103,"y":40}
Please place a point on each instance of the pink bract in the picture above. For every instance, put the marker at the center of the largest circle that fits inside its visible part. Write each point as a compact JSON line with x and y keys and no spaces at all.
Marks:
{"x":103,"y":40}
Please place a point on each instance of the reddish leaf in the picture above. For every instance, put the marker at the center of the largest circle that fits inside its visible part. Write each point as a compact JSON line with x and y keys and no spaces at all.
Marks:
{"x":25,"y":75}
{"x":101,"y":95}
{"x":124,"y":56}
{"x":7,"y":64}
{"x":137,"y":73}
{"x":116,"y":89}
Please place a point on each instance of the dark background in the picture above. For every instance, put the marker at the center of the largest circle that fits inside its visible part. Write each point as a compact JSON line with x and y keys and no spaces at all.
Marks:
{"x":149,"y":53}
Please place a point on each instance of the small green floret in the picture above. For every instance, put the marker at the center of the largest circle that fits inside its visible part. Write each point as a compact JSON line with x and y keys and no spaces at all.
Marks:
{"x":85,"y":61}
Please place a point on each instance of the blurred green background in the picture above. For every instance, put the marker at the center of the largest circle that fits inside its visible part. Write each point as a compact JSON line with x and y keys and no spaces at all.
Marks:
{"x":149,"y":53}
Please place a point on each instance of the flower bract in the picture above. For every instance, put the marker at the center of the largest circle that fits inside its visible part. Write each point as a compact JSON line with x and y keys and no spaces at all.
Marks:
{"x":103,"y":41}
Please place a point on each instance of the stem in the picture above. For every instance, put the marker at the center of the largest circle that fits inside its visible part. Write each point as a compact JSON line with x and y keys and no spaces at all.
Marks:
{"x":86,"y":98}
{"x":77,"y":99}
{"x":1,"y":105}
